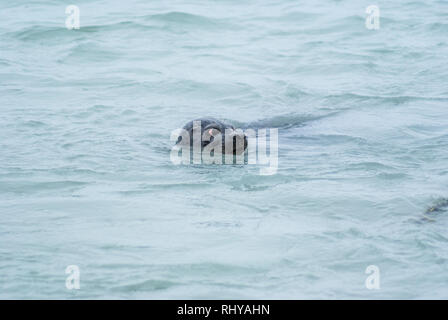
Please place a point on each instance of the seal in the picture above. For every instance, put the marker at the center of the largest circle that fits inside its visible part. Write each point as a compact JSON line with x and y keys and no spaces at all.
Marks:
{"x":211,"y":128}
{"x":439,"y":207}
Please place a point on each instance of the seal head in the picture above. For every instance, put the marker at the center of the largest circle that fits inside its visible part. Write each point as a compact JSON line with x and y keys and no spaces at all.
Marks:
{"x":233,"y":141}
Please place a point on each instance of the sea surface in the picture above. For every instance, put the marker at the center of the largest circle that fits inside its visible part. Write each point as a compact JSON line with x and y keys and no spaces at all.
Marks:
{"x":86,"y":177}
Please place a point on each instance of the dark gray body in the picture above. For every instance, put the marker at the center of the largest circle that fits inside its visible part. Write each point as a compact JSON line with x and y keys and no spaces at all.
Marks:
{"x":218,"y":127}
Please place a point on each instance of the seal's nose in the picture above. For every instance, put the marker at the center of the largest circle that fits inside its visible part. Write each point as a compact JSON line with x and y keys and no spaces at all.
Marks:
{"x":239,"y":143}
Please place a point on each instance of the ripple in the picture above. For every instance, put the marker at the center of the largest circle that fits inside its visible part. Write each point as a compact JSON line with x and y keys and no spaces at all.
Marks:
{"x":29,"y":187}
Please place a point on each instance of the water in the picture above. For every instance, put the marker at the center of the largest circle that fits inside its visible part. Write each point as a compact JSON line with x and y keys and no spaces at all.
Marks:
{"x":86,"y":178}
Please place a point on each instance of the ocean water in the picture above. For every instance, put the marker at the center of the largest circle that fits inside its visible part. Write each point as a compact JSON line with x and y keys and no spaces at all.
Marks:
{"x":85,"y":171}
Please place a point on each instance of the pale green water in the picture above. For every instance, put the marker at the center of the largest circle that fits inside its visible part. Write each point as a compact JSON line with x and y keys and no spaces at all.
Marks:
{"x":86,"y":179}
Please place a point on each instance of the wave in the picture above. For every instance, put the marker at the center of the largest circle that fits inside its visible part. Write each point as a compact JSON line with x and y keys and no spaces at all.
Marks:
{"x":182,"y":18}
{"x":285,"y":121}
{"x":437,"y":26}
{"x":28,"y":187}
{"x":393,"y":99}
{"x":39,"y":32}
{"x":169,"y":21}
{"x":146,"y":285}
